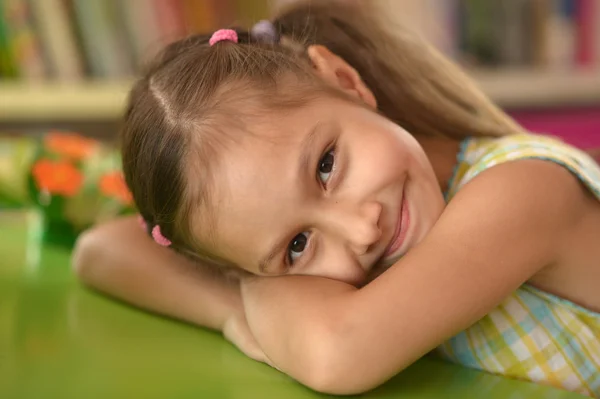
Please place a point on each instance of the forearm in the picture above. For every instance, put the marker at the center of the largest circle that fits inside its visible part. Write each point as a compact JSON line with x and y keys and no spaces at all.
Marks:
{"x":118,"y":259}
{"x":318,"y":331}
{"x":302,"y":330}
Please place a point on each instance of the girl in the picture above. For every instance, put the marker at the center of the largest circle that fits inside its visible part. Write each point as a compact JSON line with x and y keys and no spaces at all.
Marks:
{"x":366,"y":201}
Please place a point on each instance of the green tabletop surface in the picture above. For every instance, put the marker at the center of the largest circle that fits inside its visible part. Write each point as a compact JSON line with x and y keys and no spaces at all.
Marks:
{"x":61,"y":340}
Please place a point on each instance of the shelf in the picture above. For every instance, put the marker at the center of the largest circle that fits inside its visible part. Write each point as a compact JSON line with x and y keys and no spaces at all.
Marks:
{"x":64,"y":102}
{"x":100,"y":101}
{"x":538,"y":89}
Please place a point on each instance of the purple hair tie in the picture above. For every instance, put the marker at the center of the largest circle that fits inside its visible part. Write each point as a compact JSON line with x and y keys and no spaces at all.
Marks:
{"x":159,"y":238}
{"x":223,"y":34}
{"x":264,"y":31}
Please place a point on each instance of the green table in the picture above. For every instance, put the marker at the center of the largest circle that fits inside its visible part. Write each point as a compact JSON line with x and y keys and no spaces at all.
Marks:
{"x":60,"y":340}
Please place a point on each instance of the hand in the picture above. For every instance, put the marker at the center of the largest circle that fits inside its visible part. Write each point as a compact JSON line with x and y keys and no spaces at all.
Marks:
{"x":237,"y":332}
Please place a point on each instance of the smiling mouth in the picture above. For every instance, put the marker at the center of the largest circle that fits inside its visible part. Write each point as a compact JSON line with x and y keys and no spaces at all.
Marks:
{"x":401,"y":229}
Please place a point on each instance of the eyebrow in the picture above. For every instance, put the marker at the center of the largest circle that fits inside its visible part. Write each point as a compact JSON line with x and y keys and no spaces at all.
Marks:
{"x":306,"y":147}
{"x":266,"y":261}
{"x":304,"y":162}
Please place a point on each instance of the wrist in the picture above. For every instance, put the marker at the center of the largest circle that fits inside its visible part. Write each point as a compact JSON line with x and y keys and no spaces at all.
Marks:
{"x":216,"y":300}
{"x":232,"y":307}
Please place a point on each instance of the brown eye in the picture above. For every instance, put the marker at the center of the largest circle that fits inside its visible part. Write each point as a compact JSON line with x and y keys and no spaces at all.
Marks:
{"x":297,"y":247}
{"x":326,"y":165}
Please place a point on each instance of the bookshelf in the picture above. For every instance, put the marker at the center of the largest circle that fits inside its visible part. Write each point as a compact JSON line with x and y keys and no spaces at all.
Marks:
{"x":104,"y":100}
{"x":552,"y":59}
{"x":74,"y":102}
{"x":540,"y":89}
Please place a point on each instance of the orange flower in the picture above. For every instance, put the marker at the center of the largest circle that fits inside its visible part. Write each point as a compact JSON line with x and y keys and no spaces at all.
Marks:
{"x":70,"y":145}
{"x":113,"y":185}
{"x":57,"y":177}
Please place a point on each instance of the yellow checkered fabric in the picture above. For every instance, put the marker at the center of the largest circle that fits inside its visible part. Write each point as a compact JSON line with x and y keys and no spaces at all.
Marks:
{"x":532,"y":335}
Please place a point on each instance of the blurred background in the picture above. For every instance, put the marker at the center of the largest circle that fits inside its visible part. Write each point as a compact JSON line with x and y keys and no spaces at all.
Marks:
{"x":65,"y":69}
{"x":68,"y":63}
{"x":538,"y":59}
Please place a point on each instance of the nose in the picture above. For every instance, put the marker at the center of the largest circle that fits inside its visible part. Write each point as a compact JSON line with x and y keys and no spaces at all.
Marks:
{"x":357,"y":225}
{"x":367,"y":232}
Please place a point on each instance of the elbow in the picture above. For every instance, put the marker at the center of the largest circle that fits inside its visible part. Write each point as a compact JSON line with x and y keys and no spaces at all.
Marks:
{"x":323,"y":379}
{"x":336,"y":374}
{"x":334,"y":368}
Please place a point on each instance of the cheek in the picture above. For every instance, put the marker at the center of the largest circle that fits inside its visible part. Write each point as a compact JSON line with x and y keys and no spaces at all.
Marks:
{"x":405,"y":153}
{"x":391,"y":155}
{"x":381,"y":154}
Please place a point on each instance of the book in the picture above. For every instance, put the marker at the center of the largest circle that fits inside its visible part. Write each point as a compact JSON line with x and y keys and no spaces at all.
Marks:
{"x":106,"y":50}
{"x":584,"y":32}
{"x":142,"y":30}
{"x":249,"y":12}
{"x":22,"y":40}
{"x":8,"y":67}
{"x":199,"y":16}
{"x":596,"y":24}
{"x":541,"y":11}
{"x":561,"y":35}
{"x":224,"y":13}
{"x":171,"y":21}
{"x":479,"y":37}
{"x":58,"y":39}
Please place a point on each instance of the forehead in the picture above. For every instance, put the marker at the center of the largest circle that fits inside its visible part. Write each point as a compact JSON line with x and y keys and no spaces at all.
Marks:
{"x":257,"y":182}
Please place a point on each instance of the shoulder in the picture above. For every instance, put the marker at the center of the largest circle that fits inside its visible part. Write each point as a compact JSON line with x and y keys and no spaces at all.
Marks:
{"x":483,"y":154}
{"x":518,"y":211}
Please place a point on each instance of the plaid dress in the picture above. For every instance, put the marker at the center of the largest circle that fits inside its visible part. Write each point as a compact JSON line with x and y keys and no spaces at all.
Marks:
{"x":532,"y":335}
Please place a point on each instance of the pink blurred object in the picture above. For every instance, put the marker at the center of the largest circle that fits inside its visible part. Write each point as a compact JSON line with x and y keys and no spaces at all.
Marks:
{"x":579,"y":127}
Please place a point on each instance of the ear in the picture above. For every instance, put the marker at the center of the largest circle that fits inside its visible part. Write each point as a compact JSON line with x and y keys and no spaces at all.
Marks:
{"x":337,"y":72}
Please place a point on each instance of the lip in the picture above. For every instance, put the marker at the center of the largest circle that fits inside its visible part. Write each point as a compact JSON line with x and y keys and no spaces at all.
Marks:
{"x":401,"y":229}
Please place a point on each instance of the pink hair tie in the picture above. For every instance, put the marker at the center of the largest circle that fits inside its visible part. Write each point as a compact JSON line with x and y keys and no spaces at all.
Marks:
{"x":223,"y":34}
{"x":159,"y":238}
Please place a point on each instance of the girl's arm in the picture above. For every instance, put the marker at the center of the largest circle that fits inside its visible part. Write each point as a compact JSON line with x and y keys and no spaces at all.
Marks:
{"x":119,"y":259}
{"x":501,"y":229}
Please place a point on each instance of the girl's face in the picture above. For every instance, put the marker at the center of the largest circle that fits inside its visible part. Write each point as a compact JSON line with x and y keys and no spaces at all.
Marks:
{"x":330,"y":189}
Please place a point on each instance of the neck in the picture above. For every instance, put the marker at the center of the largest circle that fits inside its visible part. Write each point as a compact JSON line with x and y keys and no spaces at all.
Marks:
{"x":442,"y":153}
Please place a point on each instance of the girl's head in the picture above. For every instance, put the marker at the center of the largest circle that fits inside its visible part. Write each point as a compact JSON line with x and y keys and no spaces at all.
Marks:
{"x":269,"y":153}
